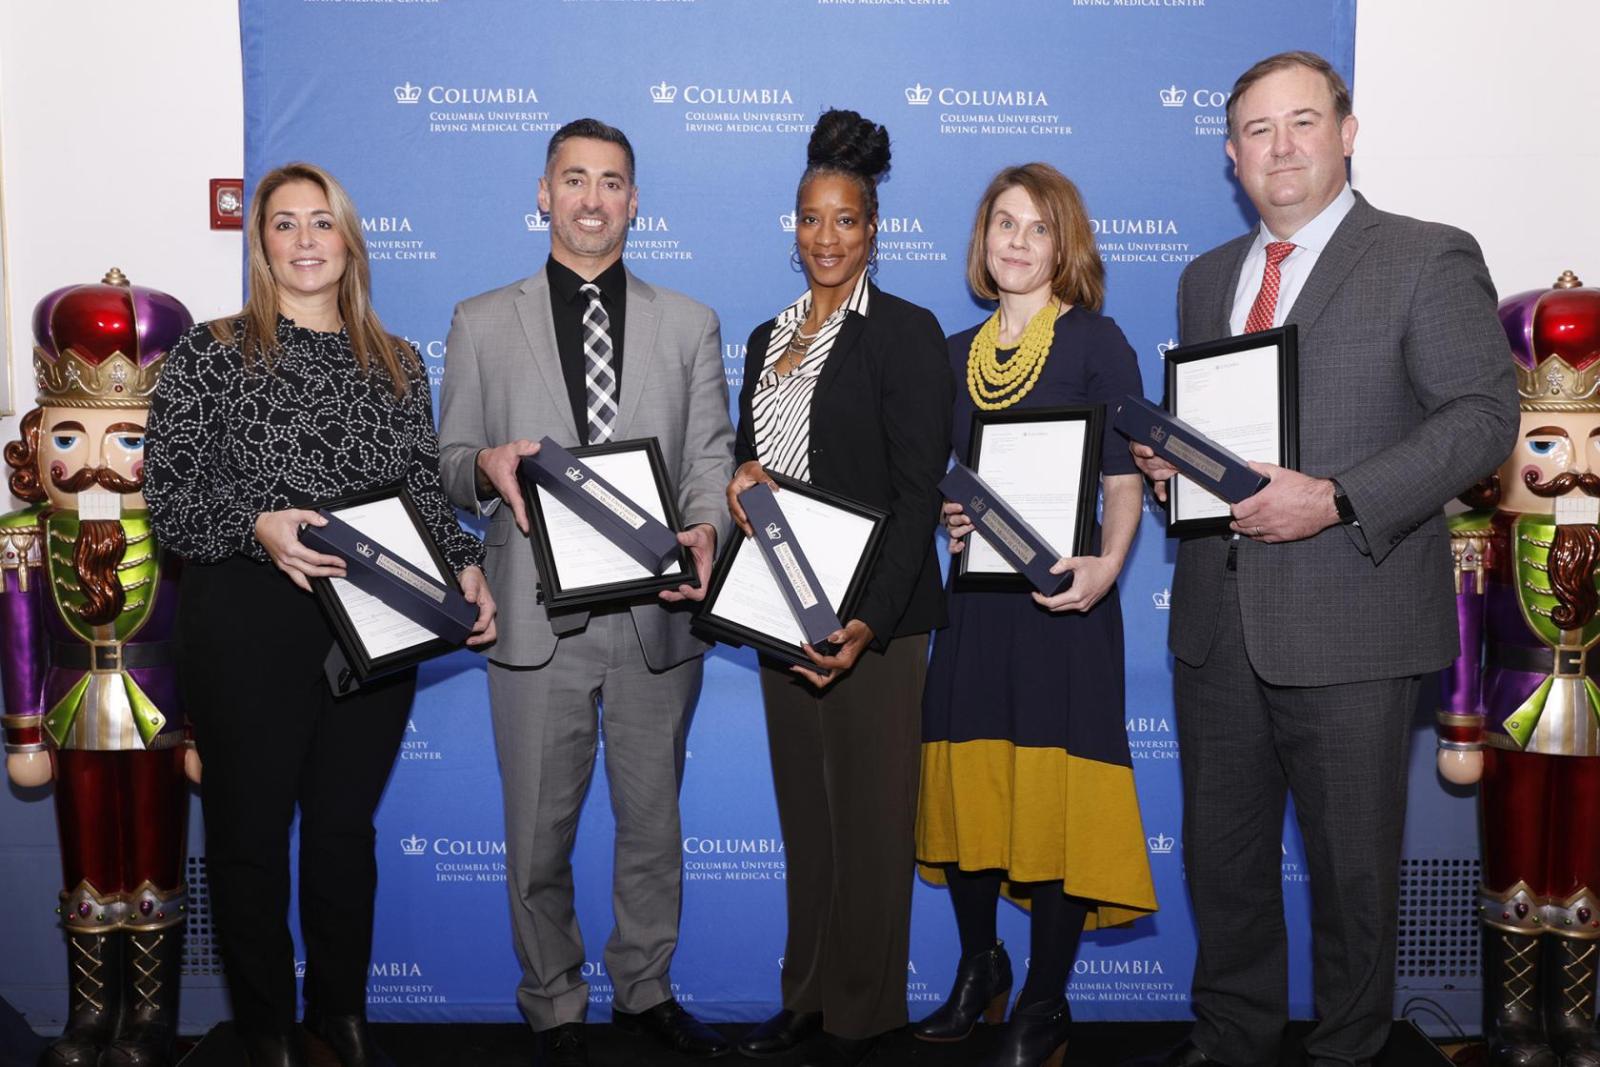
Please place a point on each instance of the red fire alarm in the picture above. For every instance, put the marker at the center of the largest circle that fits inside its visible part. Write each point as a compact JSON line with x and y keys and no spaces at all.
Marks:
{"x":227,"y":203}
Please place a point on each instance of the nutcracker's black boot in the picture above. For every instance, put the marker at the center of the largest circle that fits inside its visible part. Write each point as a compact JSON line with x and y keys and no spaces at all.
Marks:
{"x":94,"y":987}
{"x":982,"y":987}
{"x":1512,"y":980}
{"x":150,"y":969}
{"x":1569,"y":991}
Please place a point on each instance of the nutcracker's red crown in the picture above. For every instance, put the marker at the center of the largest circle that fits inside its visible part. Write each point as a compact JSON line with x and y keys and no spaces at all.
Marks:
{"x":1555,"y":342}
{"x":103,"y":346}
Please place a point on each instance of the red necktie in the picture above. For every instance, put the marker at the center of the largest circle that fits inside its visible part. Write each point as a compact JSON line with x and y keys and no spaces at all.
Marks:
{"x":1266,"y":305}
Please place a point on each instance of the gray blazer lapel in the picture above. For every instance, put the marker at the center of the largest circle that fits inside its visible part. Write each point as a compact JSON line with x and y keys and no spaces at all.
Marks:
{"x":1348,"y":244}
{"x":533,"y":309}
{"x":638,"y":348}
{"x":1223,"y":302}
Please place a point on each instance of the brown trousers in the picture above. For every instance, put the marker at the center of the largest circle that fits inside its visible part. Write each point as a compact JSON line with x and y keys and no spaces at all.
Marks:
{"x":844,"y":766}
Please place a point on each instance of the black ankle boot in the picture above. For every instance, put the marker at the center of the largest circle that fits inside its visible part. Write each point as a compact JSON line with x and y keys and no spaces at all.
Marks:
{"x":982,"y":986}
{"x":94,"y":998}
{"x":1569,"y":990}
{"x":151,"y":969}
{"x":1512,"y":1027}
{"x":348,"y":1036}
{"x":1036,"y":1036}
{"x":273,"y":1048}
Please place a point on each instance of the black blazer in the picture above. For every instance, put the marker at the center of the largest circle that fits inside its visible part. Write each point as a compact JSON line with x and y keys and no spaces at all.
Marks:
{"x":880,"y":434}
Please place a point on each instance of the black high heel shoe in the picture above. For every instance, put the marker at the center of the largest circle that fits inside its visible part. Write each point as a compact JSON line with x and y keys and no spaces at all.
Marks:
{"x":349,"y":1038}
{"x":1036,"y":1036}
{"x":981,"y":989}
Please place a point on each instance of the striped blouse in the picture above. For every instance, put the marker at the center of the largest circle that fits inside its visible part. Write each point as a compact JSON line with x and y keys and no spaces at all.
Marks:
{"x":781,"y":407}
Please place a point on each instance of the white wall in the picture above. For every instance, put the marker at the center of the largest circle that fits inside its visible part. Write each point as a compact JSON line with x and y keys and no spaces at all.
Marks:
{"x":1486,"y":114}
{"x":115,"y":115}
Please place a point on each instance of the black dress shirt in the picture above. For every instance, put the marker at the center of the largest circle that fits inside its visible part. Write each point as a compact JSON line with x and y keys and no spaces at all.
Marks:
{"x":567,"y":307}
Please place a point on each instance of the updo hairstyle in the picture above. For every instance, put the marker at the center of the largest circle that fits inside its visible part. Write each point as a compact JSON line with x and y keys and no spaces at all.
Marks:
{"x":845,"y":143}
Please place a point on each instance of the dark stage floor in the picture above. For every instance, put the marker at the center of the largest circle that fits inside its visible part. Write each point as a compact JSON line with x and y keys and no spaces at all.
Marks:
{"x":1095,"y":1045}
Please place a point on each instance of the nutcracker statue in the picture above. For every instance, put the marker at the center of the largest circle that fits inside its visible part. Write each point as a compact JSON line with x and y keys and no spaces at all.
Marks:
{"x":86,"y":625}
{"x":1521,"y":709}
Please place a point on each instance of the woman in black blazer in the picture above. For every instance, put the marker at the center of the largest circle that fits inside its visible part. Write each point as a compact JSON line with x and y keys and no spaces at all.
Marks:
{"x":849,"y":389}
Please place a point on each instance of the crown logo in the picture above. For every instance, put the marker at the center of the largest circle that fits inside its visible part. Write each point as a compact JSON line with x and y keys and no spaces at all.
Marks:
{"x":663,"y":93}
{"x":774,"y":532}
{"x":918,"y":95}
{"x":413,"y":845}
{"x":1162,"y":600}
{"x":574,"y":474}
{"x":1158,"y":434}
{"x":299,"y":968}
{"x":364,"y":548}
{"x":1166,"y":346}
{"x":1160,"y":844}
{"x":407,"y":93}
{"x":537,"y":221}
{"x":786,"y":220}
{"x":979,"y":505}
{"x":1174,"y":97}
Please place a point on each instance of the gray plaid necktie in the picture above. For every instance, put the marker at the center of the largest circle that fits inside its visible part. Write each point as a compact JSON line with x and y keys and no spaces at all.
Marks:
{"x":599,"y":378}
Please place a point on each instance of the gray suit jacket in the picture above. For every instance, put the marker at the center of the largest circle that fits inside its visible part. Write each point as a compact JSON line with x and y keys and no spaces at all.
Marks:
{"x":502,"y":381}
{"x":1407,"y":397}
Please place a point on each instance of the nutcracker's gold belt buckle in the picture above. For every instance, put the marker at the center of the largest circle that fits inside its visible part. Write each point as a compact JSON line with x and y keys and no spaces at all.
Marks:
{"x":107,"y":657}
{"x":1569,"y":662}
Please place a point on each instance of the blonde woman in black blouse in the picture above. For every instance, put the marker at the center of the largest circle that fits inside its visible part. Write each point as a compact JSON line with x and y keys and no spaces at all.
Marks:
{"x":300,"y":398}
{"x":848,"y":388}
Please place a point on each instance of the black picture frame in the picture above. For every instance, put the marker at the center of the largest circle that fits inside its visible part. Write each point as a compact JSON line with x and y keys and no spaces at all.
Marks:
{"x":1286,"y":361}
{"x":1092,"y":417}
{"x":712,"y":626}
{"x":351,"y":662}
{"x":555,"y":595}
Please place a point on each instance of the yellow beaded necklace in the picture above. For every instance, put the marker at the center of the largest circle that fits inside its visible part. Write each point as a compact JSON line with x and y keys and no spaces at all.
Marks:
{"x":994,"y":385}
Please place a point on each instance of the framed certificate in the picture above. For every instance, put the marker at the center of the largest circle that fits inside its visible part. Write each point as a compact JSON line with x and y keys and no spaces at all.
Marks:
{"x":1242,"y":393}
{"x":1041,"y":467}
{"x":580,"y":564}
{"x":744,"y":604}
{"x":375,"y":637}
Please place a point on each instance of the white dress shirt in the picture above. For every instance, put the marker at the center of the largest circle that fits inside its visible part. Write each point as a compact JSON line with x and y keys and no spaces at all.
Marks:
{"x":1309,"y":241}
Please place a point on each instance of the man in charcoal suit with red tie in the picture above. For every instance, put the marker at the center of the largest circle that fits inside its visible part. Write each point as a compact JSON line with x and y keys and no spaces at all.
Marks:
{"x":1301,"y":637}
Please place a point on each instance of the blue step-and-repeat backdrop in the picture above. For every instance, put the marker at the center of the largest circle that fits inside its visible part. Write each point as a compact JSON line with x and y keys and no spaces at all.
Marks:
{"x":435,"y":115}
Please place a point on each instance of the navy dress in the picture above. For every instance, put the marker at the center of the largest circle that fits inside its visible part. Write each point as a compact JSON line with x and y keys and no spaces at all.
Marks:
{"x":1025,"y":764}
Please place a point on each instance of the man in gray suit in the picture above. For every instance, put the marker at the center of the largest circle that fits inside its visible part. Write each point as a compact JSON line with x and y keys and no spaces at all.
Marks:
{"x":1301,"y":638}
{"x":586,"y":352}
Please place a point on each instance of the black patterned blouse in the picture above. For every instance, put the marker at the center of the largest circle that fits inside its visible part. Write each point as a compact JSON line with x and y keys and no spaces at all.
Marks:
{"x":226,"y":443}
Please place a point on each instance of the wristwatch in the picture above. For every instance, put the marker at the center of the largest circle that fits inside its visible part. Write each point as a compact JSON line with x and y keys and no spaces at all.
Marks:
{"x":1341,"y":504}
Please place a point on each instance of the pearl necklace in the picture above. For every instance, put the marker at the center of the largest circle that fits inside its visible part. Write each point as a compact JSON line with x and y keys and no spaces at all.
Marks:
{"x":993,"y":384}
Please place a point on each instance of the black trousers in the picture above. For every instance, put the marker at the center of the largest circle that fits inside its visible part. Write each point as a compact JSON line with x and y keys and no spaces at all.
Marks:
{"x":845,"y":765}
{"x":272,"y":738}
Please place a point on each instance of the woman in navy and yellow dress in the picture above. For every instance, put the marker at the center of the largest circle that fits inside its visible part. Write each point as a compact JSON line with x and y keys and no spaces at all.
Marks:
{"x":1027,"y":787}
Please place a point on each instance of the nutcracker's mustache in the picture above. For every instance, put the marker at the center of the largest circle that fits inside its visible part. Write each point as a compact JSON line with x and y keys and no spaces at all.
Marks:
{"x":106,"y":478}
{"x":1563,"y":483}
